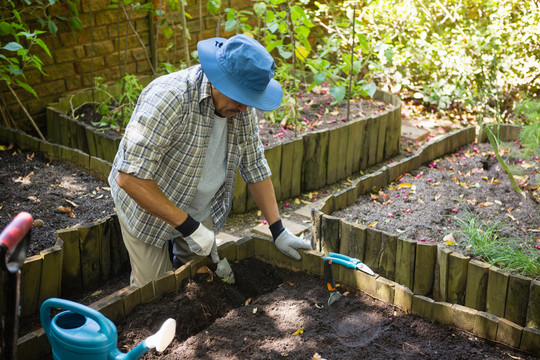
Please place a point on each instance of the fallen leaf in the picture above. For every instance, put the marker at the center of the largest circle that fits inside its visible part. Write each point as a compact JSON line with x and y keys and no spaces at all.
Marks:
{"x":372,"y":224}
{"x":67,"y":210}
{"x":71,"y":203}
{"x":248,"y":301}
{"x":259,"y":213}
{"x":254,"y":310}
{"x":25,"y":180}
{"x":405,"y":185}
{"x":438,"y":196}
{"x":296,"y":201}
{"x":485,"y":204}
{"x":449,"y":240}
{"x":512,"y":217}
{"x":299,"y":331}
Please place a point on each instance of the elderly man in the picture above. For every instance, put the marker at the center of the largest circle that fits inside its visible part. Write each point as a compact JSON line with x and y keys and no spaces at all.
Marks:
{"x":174,"y":174}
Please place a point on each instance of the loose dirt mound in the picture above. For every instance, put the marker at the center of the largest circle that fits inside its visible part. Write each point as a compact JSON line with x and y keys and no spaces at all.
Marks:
{"x":273,"y":313}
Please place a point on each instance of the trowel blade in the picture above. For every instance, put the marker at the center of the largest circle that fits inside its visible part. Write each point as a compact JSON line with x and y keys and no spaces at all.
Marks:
{"x":224,"y":271}
{"x":334,"y":296}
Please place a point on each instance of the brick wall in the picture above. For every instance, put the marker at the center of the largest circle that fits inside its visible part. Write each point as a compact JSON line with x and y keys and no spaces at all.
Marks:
{"x":72,"y":66}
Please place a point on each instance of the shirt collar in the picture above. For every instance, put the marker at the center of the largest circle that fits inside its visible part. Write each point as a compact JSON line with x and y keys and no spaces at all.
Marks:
{"x":206,"y":88}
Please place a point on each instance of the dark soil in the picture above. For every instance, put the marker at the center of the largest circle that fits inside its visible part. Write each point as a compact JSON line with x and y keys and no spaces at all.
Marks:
{"x":425,"y":204}
{"x":58,"y":196}
{"x":272,"y":313}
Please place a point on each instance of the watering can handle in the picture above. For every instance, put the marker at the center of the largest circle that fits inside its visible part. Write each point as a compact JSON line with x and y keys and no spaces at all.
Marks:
{"x":99,"y":318}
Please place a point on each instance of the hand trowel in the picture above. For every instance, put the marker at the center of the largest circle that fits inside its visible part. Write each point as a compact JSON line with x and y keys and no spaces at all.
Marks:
{"x":224,"y":271}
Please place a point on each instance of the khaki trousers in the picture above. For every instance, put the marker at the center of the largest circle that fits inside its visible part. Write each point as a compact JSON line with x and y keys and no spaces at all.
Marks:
{"x":148,"y":261}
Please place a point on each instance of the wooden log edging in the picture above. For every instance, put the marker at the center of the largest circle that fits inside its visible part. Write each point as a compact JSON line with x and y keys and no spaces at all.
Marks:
{"x":73,"y":264}
{"x":34,"y":346}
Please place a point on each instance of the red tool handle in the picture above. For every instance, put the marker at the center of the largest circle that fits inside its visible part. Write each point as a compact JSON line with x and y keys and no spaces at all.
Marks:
{"x":16,"y":230}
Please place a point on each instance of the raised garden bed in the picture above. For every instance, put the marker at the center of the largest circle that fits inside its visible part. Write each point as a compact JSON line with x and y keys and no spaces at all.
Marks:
{"x":318,"y":156}
{"x":428,"y":268}
{"x":254,"y":319}
{"x":324,"y":230}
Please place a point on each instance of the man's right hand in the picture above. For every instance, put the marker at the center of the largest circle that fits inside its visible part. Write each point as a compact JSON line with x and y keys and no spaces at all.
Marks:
{"x":199,"y":238}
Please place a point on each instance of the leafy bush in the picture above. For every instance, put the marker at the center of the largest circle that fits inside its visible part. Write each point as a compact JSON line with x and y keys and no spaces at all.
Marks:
{"x":21,"y":29}
{"x":117,"y":112}
{"x":441,"y":46}
{"x":530,"y":132}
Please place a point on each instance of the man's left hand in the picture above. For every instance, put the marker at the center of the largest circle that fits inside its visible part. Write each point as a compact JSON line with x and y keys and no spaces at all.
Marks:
{"x":288,"y":243}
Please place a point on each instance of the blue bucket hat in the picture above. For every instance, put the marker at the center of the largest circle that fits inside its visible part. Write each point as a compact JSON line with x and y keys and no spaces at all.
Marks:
{"x":241,"y":69}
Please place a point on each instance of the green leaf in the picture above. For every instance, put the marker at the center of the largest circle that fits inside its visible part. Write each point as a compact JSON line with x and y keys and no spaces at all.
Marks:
{"x":213,"y":6}
{"x":260,"y":8}
{"x":370,"y":88}
{"x":14,"y":69}
{"x":6,"y":28}
{"x":338,"y":92}
{"x":12,"y":46}
{"x":167,"y":32}
{"x":284,"y":52}
{"x":302,"y":30}
{"x":52,"y":27}
{"x":362,"y":40}
{"x":230,"y":25}
{"x":75,"y":23}
{"x":26,"y":87}
{"x":73,"y":8}
{"x":319,"y":78}
{"x":43,"y":46}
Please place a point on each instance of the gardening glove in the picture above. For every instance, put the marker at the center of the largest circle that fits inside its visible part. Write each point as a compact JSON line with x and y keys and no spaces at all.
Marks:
{"x":287,"y":242}
{"x":199,"y":238}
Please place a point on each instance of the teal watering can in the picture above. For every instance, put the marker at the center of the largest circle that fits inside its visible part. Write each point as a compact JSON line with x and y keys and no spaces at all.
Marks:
{"x":82,"y":333}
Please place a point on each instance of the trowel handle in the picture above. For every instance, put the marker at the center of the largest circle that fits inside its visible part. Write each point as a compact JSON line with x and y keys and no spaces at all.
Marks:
{"x":105,"y":324}
{"x":16,"y":230}
{"x":328,"y":275}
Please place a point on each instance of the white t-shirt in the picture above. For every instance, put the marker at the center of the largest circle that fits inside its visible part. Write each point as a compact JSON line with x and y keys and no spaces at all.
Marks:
{"x":213,"y":173}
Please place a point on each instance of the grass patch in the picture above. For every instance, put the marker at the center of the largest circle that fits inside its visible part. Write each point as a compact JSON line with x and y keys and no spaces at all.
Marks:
{"x":489,"y":242}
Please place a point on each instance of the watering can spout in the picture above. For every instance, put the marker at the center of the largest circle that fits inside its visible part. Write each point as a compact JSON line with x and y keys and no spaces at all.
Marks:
{"x":159,"y":341}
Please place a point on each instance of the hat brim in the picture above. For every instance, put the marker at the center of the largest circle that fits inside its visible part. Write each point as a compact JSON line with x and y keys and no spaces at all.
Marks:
{"x":268,"y":100}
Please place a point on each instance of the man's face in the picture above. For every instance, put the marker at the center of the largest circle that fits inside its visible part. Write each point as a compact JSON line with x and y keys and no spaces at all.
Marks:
{"x":226,"y":107}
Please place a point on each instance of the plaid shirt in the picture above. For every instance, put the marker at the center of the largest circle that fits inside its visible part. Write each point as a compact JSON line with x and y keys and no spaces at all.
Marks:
{"x":166,"y":141}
